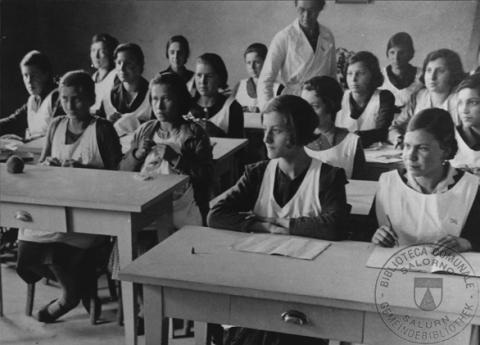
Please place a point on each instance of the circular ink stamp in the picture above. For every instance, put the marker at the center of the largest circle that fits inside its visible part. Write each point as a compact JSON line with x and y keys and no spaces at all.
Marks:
{"x":443,"y":304}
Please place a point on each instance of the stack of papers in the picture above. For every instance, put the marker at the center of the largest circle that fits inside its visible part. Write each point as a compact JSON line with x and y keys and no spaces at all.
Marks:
{"x":291,"y":246}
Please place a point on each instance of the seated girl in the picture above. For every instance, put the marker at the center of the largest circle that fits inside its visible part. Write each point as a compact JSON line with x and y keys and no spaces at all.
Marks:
{"x":291,"y":194}
{"x":366,"y":110}
{"x":126,"y":105}
{"x":441,"y":73}
{"x":245,"y":92}
{"x":74,"y":140}
{"x":101,"y":54}
{"x":170,"y":144}
{"x":220,"y":115}
{"x":333,"y":145}
{"x":32,"y":119}
{"x":468,"y":130}
{"x":401,"y":78}
{"x":448,"y":198}
{"x":178,"y":52}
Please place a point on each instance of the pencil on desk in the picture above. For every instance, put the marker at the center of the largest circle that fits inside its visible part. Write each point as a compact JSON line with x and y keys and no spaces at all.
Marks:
{"x":391,"y":227}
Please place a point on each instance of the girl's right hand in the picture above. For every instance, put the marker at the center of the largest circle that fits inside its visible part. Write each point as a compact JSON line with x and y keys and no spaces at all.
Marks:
{"x":385,"y":237}
{"x":143,"y":149}
{"x":52,"y":161}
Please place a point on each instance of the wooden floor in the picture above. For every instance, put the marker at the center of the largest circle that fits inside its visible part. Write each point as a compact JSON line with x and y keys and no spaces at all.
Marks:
{"x":73,"y":328}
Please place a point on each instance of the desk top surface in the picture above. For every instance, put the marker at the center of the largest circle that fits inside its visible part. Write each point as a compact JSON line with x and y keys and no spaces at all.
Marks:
{"x":224,"y":147}
{"x":337,"y":277}
{"x":84,"y":188}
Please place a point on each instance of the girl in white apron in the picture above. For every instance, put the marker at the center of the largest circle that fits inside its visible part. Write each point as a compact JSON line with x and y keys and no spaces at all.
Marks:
{"x":401,"y":78}
{"x":71,"y":141}
{"x":131,"y":87}
{"x":334,"y":145}
{"x":245,"y":91}
{"x":170,"y":145}
{"x":468,"y":131}
{"x":431,"y":202}
{"x":33,"y":118}
{"x":284,"y":195}
{"x":101,"y":56}
{"x":442,"y":71}
{"x":366,"y":110}
{"x":221,"y":116}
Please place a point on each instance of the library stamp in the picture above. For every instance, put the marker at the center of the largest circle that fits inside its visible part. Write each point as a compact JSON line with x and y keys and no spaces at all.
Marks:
{"x":422,"y":307}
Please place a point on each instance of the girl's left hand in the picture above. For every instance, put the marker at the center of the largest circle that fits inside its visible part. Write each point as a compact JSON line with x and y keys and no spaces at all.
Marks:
{"x":458,"y":244}
{"x":72,"y":163}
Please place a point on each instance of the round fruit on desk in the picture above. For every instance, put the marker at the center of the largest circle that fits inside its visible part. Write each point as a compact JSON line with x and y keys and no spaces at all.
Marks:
{"x":15,"y":165}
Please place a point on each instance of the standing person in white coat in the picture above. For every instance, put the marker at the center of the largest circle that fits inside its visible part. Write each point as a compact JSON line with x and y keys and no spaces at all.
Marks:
{"x":301,"y":51}
{"x":468,"y":131}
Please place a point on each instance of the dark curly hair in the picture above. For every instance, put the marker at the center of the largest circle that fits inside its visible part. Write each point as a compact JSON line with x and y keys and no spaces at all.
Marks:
{"x":178,"y":87}
{"x":371,"y":62}
{"x":453,"y":62}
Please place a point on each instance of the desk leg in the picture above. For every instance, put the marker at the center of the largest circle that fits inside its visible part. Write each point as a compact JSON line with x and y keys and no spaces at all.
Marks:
{"x":156,"y":325}
{"x":201,"y":333}
{"x":127,"y":249}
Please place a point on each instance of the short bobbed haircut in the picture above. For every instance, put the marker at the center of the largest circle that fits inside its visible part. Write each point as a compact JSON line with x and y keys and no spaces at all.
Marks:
{"x":182,"y":41}
{"x":81,"y":81}
{"x":401,"y":39}
{"x":329,"y":90}
{"x":134,"y":49}
{"x":470,"y":82}
{"x":453,"y":62}
{"x":370,"y":61}
{"x":439,"y":124}
{"x":39,"y":60}
{"x":259,"y":48}
{"x":110,"y":43}
{"x":321,"y":4}
{"x":216,"y":62}
{"x":178,"y":87}
{"x":300,"y":117}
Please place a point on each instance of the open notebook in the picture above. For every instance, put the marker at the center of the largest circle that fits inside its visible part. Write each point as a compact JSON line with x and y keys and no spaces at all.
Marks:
{"x":419,"y":260}
{"x":291,"y":246}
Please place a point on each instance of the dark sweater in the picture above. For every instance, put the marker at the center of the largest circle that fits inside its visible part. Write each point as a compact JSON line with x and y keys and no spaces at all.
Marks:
{"x":242,"y":198}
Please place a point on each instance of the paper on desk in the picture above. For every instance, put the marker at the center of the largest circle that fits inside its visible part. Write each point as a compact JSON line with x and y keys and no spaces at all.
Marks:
{"x":383,"y":154}
{"x":295,"y":247}
{"x":380,"y":257}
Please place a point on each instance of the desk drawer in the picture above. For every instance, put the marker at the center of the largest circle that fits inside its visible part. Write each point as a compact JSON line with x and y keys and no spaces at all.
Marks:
{"x":322,"y":322}
{"x":35,"y":217}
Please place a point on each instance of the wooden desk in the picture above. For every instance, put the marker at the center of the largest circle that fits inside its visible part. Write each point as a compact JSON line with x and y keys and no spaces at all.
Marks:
{"x":377,"y":162}
{"x":219,"y":285}
{"x":226,"y":162}
{"x":92,"y":201}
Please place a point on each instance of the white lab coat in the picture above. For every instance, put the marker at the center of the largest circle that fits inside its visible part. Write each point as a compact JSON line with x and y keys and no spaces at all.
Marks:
{"x":292,"y":59}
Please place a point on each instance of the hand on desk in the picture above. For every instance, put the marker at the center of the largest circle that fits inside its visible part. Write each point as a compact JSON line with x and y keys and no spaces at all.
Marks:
{"x":455,"y":243}
{"x":385,"y":236}
{"x":114,"y":117}
{"x":270,"y":225}
{"x":55,"y":162}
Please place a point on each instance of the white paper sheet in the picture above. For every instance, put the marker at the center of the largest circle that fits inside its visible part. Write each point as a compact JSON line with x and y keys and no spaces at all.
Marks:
{"x":291,"y":246}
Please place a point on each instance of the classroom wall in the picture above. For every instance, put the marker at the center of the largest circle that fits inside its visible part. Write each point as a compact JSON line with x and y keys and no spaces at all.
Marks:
{"x":63,"y":29}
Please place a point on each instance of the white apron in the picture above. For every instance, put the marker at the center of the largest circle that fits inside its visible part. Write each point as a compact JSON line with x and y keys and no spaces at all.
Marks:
{"x":129,"y":122}
{"x":366,"y":121}
{"x":222,"y":118}
{"x":305,"y":202}
{"x":185,"y":210}
{"x":465,"y":157}
{"x":244,"y":98}
{"x":402,"y":96}
{"x":84,"y":149}
{"x":103,"y":88}
{"x":341,"y":155}
{"x":424,"y":101}
{"x":39,"y":116}
{"x":424,"y":218}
